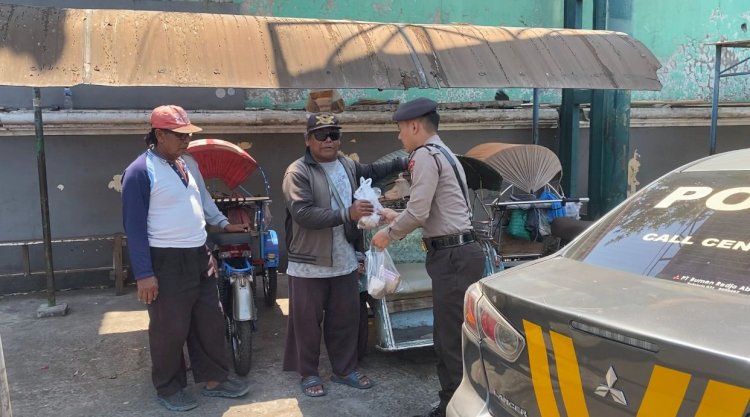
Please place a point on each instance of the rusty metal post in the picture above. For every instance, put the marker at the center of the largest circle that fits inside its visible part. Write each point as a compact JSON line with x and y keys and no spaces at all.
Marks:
{"x":715,"y":102}
{"x":535,"y":118}
{"x":44,"y":199}
{"x":5,"y":409}
{"x":117,"y":263}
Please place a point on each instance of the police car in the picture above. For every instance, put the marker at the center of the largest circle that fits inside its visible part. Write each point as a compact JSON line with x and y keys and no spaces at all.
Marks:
{"x":645,"y":314}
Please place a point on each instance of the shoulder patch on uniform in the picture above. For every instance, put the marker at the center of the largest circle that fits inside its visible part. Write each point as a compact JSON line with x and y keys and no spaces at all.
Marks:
{"x":411,"y":165}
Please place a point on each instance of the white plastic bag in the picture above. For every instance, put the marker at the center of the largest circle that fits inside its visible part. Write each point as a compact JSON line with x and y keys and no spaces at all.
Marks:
{"x":382,"y":276}
{"x":371,"y":194}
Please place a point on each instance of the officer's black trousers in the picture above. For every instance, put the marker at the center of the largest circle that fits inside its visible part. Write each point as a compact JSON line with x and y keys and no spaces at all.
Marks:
{"x":452,"y":271}
{"x":186,"y":309}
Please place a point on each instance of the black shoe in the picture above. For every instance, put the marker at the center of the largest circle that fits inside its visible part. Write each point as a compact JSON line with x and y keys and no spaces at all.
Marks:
{"x":179,"y":401}
{"x":435,"y":412}
{"x":231,"y":388}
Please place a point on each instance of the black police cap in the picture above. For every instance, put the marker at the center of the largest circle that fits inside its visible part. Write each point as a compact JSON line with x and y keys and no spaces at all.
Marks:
{"x":413,"y":109}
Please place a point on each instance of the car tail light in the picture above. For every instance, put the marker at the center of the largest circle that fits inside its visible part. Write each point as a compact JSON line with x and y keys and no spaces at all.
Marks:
{"x":487,"y":324}
{"x":473,"y":294}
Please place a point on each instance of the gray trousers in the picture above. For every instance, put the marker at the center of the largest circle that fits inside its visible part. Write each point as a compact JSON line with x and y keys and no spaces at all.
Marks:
{"x":452,"y":271}
{"x":332,"y":302}
{"x":186,"y":310}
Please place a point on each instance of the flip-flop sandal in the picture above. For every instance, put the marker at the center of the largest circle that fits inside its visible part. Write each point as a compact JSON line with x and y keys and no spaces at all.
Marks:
{"x":354,"y":379}
{"x":312,"y":381}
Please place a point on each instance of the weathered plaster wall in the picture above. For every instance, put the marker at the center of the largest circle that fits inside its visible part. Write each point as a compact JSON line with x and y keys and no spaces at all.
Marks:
{"x":84,"y":201}
{"x":682,"y":37}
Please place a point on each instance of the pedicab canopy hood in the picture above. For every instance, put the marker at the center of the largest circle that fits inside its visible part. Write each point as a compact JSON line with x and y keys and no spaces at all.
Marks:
{"x":223,"y":160}
{"x":50,"y":47}
{"x":526,"y":166}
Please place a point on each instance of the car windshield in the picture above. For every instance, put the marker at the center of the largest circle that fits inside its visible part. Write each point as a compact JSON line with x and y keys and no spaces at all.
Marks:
{"x":691,"y":228}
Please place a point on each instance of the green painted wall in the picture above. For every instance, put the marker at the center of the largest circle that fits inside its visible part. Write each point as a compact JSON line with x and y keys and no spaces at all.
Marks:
{"x":679,"y":35}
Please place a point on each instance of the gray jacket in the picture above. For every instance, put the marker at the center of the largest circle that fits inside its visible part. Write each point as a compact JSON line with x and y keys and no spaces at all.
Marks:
{"x":309,"y":217}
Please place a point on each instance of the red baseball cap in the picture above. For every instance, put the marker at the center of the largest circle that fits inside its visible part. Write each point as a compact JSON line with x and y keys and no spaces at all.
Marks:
{"x":172,"y":118}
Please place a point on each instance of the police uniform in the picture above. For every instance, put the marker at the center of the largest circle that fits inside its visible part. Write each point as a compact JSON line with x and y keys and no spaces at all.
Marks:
{"x":439,"y":204}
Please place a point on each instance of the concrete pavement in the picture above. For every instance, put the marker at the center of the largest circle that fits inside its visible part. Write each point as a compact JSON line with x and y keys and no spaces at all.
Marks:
{"x":95,"y":362}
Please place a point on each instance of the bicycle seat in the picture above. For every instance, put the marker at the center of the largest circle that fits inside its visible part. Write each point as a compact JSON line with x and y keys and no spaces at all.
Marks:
{"x":222,"y":239}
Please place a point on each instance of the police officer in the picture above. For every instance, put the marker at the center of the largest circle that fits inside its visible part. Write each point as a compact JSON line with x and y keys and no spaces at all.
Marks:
{"x":439,"y":203}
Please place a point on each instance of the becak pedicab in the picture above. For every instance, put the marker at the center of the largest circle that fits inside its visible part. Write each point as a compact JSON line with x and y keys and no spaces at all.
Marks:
{"x":243,"y":258}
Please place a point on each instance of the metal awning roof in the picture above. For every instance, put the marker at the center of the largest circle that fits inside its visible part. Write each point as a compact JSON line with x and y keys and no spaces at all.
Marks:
{"x":45,"y":47}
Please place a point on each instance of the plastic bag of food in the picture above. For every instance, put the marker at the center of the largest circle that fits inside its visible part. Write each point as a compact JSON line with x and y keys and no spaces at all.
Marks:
{"x":372,"y":194}
{"x":382,"y":276}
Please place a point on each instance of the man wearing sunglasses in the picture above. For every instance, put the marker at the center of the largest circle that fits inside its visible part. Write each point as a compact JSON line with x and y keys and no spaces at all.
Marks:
{"x":321,"y":239}
{"x":165,"y":207}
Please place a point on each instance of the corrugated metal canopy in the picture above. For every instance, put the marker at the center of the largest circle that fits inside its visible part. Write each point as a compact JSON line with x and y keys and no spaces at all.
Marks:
{"x":44,"y":47}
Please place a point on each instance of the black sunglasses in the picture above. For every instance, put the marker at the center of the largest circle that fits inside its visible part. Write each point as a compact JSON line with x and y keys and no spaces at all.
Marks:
{"x":322,"y":135}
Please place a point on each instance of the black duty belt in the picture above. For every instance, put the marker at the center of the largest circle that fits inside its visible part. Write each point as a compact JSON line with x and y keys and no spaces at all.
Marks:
{"x":449,"y":241}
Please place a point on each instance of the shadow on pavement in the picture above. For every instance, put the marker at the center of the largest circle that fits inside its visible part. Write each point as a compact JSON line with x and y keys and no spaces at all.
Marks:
{"x":95,"y":361}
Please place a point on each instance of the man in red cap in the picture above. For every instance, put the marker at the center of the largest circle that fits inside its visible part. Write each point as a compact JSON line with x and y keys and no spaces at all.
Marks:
{"x":165,"y":210}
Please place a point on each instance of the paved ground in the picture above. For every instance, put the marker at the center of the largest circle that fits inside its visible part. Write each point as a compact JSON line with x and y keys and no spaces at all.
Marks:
{"x":95,"y":362}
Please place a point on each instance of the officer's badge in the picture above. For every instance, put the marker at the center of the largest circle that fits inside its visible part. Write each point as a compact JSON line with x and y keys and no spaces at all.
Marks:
{"x":324,"y":119}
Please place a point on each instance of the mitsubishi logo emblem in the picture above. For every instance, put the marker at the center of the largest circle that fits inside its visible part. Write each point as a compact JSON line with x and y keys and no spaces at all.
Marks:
{"x":609,"y":388}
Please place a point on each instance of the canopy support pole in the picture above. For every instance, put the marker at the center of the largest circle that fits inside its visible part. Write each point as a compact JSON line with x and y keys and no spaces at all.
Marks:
{"x":43,"y":197}
{"x":535,"y":118}
{"x":715,"y":101}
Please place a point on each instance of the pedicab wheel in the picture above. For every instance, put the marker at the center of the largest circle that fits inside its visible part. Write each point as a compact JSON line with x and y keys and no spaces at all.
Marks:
{"x":224,"y":291}
{"x":269,"y":286}
{"x":226,"y":305}
{"x":242,"y":346}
